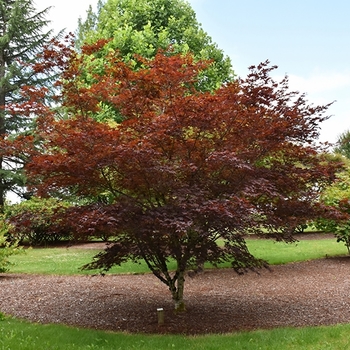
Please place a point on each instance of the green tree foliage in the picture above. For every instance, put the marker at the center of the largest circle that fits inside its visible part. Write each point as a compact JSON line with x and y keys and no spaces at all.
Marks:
{"x":337,"y":195}
{"x":145,"y":26}
{"x":22,"y":37}
{"x":7,"y":247}
{"x":343,"y":144}
{"x":89,"y":25}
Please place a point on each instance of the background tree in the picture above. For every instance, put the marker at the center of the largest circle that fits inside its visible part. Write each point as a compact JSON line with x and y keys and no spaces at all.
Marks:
{"x":337,"y":195}
{"x":22,"y":36}
{"x":343,"y":144}
{"x":88,"y":25}
{"x":186,"y":174}
{"x":144,"y":26}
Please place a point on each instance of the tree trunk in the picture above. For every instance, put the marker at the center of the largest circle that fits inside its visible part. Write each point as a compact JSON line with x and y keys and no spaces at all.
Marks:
{"x":178,"y":293}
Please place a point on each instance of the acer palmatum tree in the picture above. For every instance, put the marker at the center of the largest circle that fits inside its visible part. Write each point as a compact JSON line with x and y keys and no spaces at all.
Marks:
{"x":185,"y":175}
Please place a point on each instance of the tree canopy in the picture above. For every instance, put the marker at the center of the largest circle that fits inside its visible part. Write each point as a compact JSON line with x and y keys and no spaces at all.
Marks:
{"x":186,"y":174}
{"x":22,"y":37}
{"x":145,"y":26}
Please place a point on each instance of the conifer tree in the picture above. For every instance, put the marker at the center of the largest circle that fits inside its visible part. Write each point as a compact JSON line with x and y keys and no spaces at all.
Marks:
{"x":22,"y":37}
{"x":87,"y":25}
{"x":342,"y":145}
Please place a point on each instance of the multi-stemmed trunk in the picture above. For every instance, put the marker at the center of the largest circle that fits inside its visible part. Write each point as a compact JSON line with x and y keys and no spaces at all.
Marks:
{"x":177,"y":291}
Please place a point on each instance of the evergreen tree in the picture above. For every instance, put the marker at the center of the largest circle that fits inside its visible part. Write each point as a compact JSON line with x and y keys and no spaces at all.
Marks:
{"x":22,"y":37}
{"x":343,"y":144}
{"x":88,"y":25}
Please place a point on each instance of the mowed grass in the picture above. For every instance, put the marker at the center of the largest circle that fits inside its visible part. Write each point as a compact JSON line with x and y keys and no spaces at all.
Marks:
{"x":64,"y":261}
{"x":68,"y":261}
{"x":276,"y":253}
{"x":21,"y":335}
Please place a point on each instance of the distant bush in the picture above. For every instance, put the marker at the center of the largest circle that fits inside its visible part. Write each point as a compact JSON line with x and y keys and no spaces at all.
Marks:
{"x":342,"y":234}
{"x":340,"y":228}
{"x":326,"y":225}
{"x":338,"y":196}
{"x":36,"y":221}
{"x":6,"y":248}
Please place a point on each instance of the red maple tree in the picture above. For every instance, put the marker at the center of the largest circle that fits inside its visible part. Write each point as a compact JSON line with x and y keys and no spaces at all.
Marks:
{"x":184,"y":175}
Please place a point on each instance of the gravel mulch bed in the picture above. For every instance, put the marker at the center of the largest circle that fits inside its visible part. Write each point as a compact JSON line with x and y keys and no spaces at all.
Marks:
{"x":218,"y":301}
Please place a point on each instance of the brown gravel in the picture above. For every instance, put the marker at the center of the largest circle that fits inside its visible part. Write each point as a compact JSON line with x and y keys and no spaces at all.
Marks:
{"x":218,"y":301}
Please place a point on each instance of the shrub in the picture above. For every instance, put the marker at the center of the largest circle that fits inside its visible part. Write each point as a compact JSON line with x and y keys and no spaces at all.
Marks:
{"x":326,"y":225}
{"x":6,"y":248}
{"x":342,"y":234}
{"x":36,"y":221}
{"x":338,"y":196}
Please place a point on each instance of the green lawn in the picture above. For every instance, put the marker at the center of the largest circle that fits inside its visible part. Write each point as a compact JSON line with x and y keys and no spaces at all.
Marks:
{"x":63,"y":261}
{"x":68,"y":260}
{"x":282,"y":253}
{"x":16,"y":334}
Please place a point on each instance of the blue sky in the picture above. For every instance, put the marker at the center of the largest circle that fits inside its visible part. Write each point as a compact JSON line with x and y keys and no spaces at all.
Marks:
{"x":309,"y":40}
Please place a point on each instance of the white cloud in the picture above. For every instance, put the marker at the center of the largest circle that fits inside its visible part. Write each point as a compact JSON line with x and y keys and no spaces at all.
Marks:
{"x":320,"y":82}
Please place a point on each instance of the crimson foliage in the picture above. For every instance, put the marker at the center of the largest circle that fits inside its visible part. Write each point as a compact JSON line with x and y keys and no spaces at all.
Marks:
{"x":185,"y":175}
